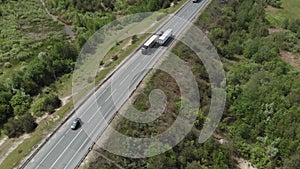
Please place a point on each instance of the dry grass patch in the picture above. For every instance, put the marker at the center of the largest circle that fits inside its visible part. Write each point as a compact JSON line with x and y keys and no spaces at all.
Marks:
{"x":293,"y":59}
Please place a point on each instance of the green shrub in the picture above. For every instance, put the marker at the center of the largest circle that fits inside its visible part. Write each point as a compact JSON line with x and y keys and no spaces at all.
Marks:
{"x":47,"y":103}
{"x":22,"y":56}
{"x":28,"y":123}
{"x":7,"y":65}
{"x":12,"y":128}
{"x":15,"y":127}
{"x":20,"y":103}
{"x":37,"y":108}
{"x":115,"y":57}
{"x":5,"y":59}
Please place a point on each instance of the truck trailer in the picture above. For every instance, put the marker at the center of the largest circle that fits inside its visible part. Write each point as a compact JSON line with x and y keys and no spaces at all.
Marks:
{"x":149,"y":44}
{"x":164,"y":37}
{"x":160,"y":39}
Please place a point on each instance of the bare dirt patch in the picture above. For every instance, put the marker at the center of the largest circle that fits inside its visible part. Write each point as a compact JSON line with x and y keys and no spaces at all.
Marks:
{"x":291,"y":58}
{"x":271,"y":8}
{"x":241,"y":162}
{"x":39,"y":119}
{"x":127,"y":45}
{"x":275,"y":29}
{"x":244,"y":164}
{"x":65,"y":100}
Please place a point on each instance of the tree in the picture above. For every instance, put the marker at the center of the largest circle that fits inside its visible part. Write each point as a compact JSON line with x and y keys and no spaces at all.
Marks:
{"x":20,"y":103}
{"x":46,"y":103}
{"x":15,"y":127}
{"x":235,"y":43}
{"x":37,"y":108}
{"x":28,"y":123}
{"x":12,"y":128}
{"x":51,"y":103}
{"x":22,"y":81}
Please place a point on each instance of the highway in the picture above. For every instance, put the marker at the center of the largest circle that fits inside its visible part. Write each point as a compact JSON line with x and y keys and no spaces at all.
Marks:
{"x":67,"y":147}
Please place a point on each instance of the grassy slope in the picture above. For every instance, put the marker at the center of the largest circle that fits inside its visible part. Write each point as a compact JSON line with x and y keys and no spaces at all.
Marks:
{"x":290,"y":10}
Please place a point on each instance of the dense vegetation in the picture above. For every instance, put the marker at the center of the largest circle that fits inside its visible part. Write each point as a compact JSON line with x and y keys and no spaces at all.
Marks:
{"x":262,"y":116}
{"x":261,"y":120}
{"x":32,"y":55}
{"x":35,"y":51}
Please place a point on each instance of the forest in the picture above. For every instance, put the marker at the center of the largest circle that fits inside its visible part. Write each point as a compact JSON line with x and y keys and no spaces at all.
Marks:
{"x":262,"y":116}
{"x":261,"y":121}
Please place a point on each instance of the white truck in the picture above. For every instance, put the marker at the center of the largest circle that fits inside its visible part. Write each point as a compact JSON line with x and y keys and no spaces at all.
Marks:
{"x":149,"y":43}
{"x":156,"y":39}
{"x":164,"y":37}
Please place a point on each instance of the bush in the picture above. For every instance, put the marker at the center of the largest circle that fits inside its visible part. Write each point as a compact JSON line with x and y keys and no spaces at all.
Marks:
{"x":134,"y":39}
{"x":37,"y":108}
{"x":47,"y":103}
{"x":5,"y":59}
{"x":286,"y":40}
{"x":22,"y":56}
{"x":28,"y":123}
{"x":115,"y":57}
{"x":12,"y":128}
{"x":15,"y":127}
{"x":7,"y":65}
{"x":101,"y":63}
{"x":52,"y":101}
{"x":20,"y":103}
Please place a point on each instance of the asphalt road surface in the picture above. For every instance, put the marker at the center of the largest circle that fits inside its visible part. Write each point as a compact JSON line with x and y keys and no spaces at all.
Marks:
{"x":67,"y":147}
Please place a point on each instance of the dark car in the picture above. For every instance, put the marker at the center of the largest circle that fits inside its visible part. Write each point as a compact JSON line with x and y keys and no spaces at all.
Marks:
{"x":75,"y":124}
{"x":196,"y":1}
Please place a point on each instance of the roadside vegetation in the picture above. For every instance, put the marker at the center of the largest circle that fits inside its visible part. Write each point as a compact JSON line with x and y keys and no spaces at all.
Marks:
{"x":261,"y":120}
{"x":30,"y":59}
